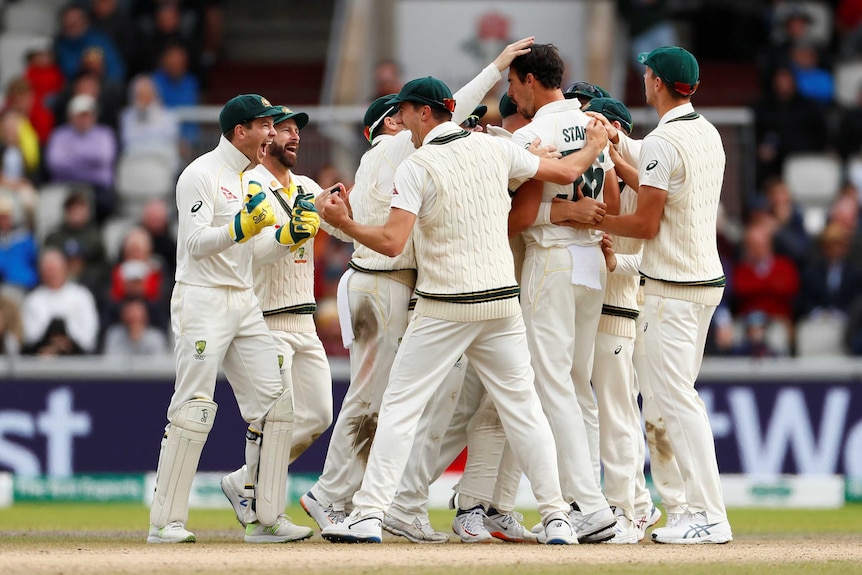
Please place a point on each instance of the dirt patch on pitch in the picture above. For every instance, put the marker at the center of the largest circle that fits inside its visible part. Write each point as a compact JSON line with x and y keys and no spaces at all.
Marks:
{"x":69,"y":554}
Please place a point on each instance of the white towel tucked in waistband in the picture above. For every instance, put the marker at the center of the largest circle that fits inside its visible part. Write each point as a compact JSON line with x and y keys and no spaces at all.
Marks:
{"x":587,"y":265}
{"x":344,"y":309}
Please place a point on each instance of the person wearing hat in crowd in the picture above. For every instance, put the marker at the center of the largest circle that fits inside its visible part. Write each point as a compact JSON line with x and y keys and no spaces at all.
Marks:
{"x":468,"y":298}
{"x":217,"y":324}
{"x":583,"y":92}
{"x":472,"y":121}
{"x":565,"y":306}
{"x":284,"y":284}
{"x":84,"y":151}
{"x":681,"y":159}
{"x":375,"y":294}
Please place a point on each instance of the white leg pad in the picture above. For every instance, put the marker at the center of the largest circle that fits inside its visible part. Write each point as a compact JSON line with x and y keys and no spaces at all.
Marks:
{"x":181,"y":449}
{"x":271,"y":485}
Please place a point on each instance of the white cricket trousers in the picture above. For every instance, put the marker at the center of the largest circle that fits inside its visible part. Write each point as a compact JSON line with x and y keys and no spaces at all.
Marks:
{"x":498,"y":351}
{"x":304,"y":367}
{"x":664,"y":471}
{"x":675,"y":337}
{"x":619,"y":419}
{"x":562,"y":320}
{"x":227,"y":326}
{"x":379,"y":308}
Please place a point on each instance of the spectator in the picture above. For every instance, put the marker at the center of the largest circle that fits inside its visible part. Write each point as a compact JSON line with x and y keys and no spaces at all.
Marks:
{"x":134,"y":335}
{"x":84,"y":151}
{"x":720,"y":338}
{"x":111,"y":19}
{"x":109,"y":101}
{"x":754,"y":342}
{"x":59,"y":316}
{"x":146,"y":125}
{"x":848,"y":24}
{"x":791,"y":27}
{"x":387,"y":78}
{"x":134,"y":282}
{"x":812,"y":79}
{"x":137,"y":249}
{"x":11,"y":328}
{"x":848,"y":133}
{"x":155,"y":220}
{"x":832,"y":281}
{"x":46,"y":81}
{"x":76,"y":36}
{"x":18,"y":254}
{"x":649,"y":25}
{"x":786,"y":122}
{"x":790,"y":239}
{"x":764,"y":281}
{"x":13,"y":174}
{"x":166,"y":27}
{"x":20,"y":99}
{"x":177,"y":86}
{"x":80,"y":240}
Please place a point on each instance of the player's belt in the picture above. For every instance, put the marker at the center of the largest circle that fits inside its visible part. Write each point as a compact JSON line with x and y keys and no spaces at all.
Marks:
{"x":404,"y":276}
{"x":474,"y":297}
{"x":717,"y":282}
{"x":303,"y":308}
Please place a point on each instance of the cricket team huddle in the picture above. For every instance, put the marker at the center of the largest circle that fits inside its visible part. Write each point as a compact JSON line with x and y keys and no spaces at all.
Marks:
{"x":512,"y":290}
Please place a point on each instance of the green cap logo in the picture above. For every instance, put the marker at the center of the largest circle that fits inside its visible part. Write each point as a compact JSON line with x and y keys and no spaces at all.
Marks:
{"x":200,"y":346}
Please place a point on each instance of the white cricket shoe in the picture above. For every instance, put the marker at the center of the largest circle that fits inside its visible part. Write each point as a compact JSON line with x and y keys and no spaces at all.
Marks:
{"x":595,"y":527}
{"x":647,"y":520}
{"x":418,"y":532}
{"x":469,"y":525}
{"x":625,"y":532}
{"x":173,"y":532}
{"x":323,"y":516}
{"x":507,"y":527}
{"x":233,"y":487}
{"x":558,"y":531}
{"x":282,"y":531}
{"x":356,"y":528}
{"x":694,"y":528}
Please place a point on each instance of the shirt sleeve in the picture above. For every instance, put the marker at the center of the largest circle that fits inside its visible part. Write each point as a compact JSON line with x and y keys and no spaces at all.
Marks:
{"x":196,"y":204}
{"x":468,"y":97}
{"x":658,"y":161}
{"x":629,"y":149}
{"x":628,"y":264}
{"x":522,"y":164}
{"x":411,"y":183}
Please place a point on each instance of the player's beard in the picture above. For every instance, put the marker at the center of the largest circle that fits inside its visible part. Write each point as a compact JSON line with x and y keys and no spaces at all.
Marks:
{"x":279,"y":153}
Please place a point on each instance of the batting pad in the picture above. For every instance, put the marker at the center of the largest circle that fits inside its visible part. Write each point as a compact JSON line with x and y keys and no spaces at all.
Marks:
{"x":181,"y":449}
{"x":274,"y":458}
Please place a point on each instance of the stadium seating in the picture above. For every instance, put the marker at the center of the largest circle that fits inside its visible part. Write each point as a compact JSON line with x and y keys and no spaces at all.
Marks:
{"x":13,"y":49}
{"x":820,"y":335}
{"x":814,"y":180}
{"x":141,"y":177}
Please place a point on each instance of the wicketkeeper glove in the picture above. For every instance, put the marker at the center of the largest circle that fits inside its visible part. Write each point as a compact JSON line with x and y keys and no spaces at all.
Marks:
{"x":256,"y":214}
{"x":303,"y":225}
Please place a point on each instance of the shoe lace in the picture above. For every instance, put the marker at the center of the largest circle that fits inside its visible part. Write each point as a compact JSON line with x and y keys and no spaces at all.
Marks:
{"x":474,"y":521}
{"x":512,"y":518}
{"x":174,"y":525}
{"x":335,"y":516}
{"x":424,"y":527}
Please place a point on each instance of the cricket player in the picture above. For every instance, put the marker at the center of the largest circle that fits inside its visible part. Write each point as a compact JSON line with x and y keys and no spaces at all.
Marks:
{"x":217,"y":324}
{"x":374,"y":307}
{"x":467,"y":298}
{"x":284,"y":284}
{"x":563,"y":284}
{"x":681,"y":170}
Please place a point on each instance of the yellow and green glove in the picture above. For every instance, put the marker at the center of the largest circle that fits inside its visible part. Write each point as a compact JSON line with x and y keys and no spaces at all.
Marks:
{"x":256,"y":214}
{"x":303,"y":225}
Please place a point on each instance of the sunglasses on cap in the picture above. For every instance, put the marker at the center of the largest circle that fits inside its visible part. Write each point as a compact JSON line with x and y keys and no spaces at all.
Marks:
{"x":584,"y":88}
{"x":471,"y":122}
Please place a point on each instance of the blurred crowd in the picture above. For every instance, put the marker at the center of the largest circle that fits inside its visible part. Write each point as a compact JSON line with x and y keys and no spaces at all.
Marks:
{"x":101,"y":96}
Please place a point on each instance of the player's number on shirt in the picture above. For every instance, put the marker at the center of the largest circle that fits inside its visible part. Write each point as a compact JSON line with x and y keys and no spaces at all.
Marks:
{"x":591,"y":182}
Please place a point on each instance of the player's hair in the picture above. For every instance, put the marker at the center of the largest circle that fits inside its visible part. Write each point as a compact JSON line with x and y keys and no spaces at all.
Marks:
{"x":543,"y":62}
{"x":439,"y":114}
{"x":229,"y":135}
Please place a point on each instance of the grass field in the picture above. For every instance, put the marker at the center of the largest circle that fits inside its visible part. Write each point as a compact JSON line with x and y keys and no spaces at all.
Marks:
{"x":38,"y":539}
